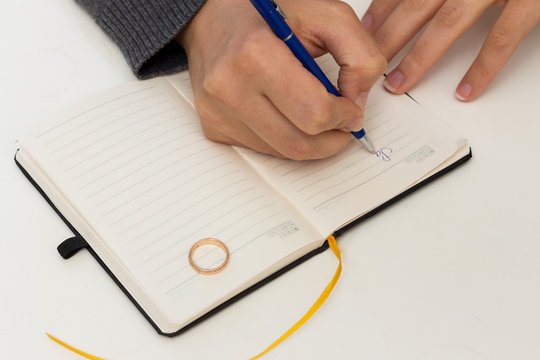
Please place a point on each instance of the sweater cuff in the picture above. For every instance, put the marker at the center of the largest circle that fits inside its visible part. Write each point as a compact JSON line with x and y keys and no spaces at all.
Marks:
{"x":144,"y":30}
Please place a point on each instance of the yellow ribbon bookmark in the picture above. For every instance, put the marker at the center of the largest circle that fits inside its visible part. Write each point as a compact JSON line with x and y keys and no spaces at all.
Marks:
{"x":75,"y":350}
{"x":313,"y":309}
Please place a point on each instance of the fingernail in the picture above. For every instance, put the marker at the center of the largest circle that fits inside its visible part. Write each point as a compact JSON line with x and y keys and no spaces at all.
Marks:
{"x":464,"y":91}
{"x":355,"y":124}
{"x":394,"y":80}
{"x":367,"y":21}
{"x":361,"y":100}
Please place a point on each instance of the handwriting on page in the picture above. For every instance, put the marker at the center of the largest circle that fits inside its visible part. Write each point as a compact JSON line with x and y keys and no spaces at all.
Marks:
{"x":319,"y":186}
{"x":384,"y":153}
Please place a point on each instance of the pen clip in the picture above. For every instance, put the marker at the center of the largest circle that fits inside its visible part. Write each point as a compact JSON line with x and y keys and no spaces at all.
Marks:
{"x":278,"y":9}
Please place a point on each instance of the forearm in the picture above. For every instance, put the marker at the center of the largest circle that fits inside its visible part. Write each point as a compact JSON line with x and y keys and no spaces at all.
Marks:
{"x":145,"y":31}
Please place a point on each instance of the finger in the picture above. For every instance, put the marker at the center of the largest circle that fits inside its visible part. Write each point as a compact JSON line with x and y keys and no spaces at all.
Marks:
{"x":377,"y":13}
{"x":516,"y":21}
{"x":242,"y":137}
{"x":403,"y":23}
{"x":280,"y":134}
{"x":359,"y":57}
{"x":303,"y":100}
{"x":222,"y":124}
{"x":449,"y":23}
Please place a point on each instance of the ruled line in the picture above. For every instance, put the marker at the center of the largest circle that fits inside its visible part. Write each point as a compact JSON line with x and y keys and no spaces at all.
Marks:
{"x":213,"y":220}
{"x":371,"y":117}
{"x":387,"y":133}
{"x":192,"y":206}
{"x":140,"y":168}
{"x":112,"y":122}
{"x":92,"y":109}
{"x":358,"y":185}
{"x":128,"y":150}
{"x":192,"y":192}
{"x":328,"y":169}
{"x":141,"y":207}
{"x":183,"y":171}
{"x":99,"y":117}
{"x":184,"y":254}
{"x":353,"y":151}
{"x":382,"y":123}
{"x":364,"y":170}
{"x":289,"y":172}
{"x":159,"y":184}
{"x":103,"y":176}
{"x":355,"y":187}
{"x":216,"y":234}
{"x":180,"y":285}
{"x":73,"y":153}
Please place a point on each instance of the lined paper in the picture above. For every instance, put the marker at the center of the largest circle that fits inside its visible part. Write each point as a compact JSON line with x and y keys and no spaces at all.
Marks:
{"x":334,"y":191}
{"x":137,"y":166}
{"x":134,"y":164}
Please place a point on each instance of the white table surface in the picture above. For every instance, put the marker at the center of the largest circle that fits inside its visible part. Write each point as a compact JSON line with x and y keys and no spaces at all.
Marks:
{"x":451,"y":272}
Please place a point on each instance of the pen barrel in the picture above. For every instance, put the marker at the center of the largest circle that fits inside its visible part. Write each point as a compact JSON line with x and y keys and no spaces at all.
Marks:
{"x":359,"y":134}
{"x":273,"y":18}
{"x":309,"y":63}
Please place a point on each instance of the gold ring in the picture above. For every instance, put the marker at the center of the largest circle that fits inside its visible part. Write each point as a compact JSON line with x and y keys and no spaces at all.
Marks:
{"x":208,"y":271}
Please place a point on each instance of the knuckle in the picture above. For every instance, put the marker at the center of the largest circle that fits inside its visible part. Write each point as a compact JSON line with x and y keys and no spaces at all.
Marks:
{"x":450,"y":14}
{"x":342,"y":7}
{"x":481,"y":69}
{"x":298,"y":148}
{"x":416,"y":60}
{"x":206,"y":113}
{"x":356,"y":112}
{"x":221,"y":84}
{"x":383,"y":40}
{"x":252,"y":50}
{"x":215,"y":80}
{"x":379,"y":64}
{"x":250,"y":44}
{"x":499,"y":40}
{"x":383,"y":64}
{"x":374,"y":64}
{"x":317,"y":118}
{"x":210,"y":133}
{"x":244,"y":58}
{"x":201,"y":106}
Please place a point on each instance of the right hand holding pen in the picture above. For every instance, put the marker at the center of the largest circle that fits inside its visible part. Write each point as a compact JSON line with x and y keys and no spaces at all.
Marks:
{"x":251,"y":91}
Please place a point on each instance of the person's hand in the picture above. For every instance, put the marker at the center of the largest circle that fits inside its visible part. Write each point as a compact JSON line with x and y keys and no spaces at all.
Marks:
{"x":395,"y":22}
{"x":251,"y":91}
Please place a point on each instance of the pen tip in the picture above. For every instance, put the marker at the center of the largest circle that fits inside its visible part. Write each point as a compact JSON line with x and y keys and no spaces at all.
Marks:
{"x":368,"y":144}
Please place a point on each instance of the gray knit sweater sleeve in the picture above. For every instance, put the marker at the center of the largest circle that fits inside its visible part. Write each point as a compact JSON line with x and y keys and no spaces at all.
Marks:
{"x":144,"y":30}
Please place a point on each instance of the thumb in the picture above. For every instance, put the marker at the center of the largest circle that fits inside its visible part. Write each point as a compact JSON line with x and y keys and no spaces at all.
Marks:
{"x":356,"y":52}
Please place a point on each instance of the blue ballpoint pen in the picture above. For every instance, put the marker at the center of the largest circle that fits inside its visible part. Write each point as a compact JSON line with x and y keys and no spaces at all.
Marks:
{"x":275,"y":18}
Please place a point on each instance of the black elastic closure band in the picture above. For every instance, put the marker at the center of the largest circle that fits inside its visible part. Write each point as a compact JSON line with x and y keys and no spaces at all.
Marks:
{"x":71,"y":246}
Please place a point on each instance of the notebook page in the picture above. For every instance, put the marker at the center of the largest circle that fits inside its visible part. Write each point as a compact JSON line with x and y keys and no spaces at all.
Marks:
{"x":134,"y":163}
{"x":335,"y":191}
{"x":182,"y":83}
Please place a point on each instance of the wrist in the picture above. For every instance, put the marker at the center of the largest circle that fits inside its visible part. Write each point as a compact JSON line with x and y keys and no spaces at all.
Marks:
{"x":201,"y":25}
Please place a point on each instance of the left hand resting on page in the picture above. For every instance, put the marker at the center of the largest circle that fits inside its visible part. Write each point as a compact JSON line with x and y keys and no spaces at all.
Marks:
{"x":395,"y":22}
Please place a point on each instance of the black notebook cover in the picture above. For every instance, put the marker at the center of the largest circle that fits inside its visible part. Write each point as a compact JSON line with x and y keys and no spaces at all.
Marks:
{"x":70,"y":246}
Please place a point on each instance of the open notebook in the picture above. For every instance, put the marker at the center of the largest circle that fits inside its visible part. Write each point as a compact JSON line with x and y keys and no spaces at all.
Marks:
{"x":131,"y":172}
